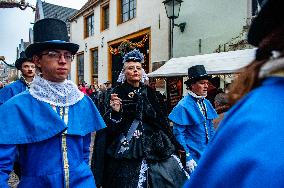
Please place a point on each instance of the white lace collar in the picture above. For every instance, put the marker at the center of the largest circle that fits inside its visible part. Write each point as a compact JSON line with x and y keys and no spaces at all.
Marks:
{"x":195,"y":96}
{"x":59,"y":94}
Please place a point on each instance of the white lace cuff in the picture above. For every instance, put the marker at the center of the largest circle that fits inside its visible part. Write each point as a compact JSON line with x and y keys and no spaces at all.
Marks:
{"x":191,"y":165}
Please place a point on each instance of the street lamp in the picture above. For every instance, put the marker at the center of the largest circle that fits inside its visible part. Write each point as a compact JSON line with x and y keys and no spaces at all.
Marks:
{"x":172,"y":9}
{"x":15,"y":4}
{"x":2,"y":58}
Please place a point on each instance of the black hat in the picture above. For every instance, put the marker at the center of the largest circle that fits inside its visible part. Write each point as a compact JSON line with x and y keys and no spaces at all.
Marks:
{"x":269,"y":18}
{"x":23,"y":58}
{"x":196,"y":73}
{"x":50,"y":33}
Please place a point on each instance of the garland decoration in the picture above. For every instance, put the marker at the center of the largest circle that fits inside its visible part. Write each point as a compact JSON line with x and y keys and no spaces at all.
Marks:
{"x":126,"y":46}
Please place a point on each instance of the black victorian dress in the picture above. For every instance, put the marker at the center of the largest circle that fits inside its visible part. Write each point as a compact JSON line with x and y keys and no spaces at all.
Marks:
{"x":148,"y":157}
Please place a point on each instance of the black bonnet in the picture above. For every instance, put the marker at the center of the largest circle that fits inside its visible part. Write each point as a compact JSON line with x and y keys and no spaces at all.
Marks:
{"x":23,"y":58}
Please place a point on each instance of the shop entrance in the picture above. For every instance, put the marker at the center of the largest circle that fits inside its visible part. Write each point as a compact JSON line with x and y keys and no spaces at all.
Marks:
{"x":117,"y":51}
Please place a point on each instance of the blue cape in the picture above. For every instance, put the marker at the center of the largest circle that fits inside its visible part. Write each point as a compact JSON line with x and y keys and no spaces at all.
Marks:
{"x":187,"y":112}
{"x":24,"y":119}
{"x":247,"y":149}
{"x":11,"y":90}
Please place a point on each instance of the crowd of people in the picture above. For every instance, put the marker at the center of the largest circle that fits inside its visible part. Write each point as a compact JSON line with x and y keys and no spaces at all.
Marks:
{"x":136,"y":112}
{"x":211,"y":138}
{"x":98,"y":93}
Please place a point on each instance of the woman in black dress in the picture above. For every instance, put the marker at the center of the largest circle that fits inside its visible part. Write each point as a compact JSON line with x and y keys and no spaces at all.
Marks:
{"x":140,"y":149}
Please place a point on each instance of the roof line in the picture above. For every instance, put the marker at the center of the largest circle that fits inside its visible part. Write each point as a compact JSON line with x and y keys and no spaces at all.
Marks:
{"x":82,"y":10}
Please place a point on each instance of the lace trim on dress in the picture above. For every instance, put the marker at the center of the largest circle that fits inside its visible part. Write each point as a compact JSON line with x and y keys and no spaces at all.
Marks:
{"x":180,"y":165}
{"x":59,"y":94}
{"x":142,"y":176}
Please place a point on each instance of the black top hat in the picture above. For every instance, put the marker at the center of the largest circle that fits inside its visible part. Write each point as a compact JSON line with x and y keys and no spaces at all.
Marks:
{"x":269,"y":18}
{"x":196,"y":73}
{"x":23,"y":58}
{"x":50,"y":33}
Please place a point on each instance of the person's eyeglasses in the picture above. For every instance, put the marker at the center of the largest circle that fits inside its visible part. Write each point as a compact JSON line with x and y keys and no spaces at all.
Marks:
{"x":57,"y":55}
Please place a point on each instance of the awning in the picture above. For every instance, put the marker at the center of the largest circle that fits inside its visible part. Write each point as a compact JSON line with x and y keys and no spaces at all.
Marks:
{"x":215,"y":63}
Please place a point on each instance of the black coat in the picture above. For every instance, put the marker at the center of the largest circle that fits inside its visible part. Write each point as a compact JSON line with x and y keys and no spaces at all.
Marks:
{"x":156,"y":142}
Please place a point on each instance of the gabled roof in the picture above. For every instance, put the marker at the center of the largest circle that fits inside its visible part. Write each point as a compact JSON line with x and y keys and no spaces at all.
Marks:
{"x":84,"y":8}
{"x":56,"y":11}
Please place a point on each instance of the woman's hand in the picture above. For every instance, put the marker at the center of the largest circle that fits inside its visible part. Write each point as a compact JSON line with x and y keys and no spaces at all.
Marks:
{"x":115,"y":102}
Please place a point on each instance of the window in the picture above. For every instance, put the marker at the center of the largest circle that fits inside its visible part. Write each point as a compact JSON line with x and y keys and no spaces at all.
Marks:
{"x":89,"y":26}
{"x":80,"y":67}
{"x":105,"y":17}
{"x":127,"y":10}
{"x":94,"y":65}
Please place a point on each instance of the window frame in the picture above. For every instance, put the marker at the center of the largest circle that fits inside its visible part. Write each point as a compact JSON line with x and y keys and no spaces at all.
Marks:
{"x":94,"y":76}
{"x":79,"y":66}
{"x":121,"y":12}
{"x":103,"y":16}
{"x":88,"y":32}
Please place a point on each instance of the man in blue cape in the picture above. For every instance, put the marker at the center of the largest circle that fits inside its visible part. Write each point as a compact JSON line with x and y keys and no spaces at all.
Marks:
{"x":27,"y":68}
{"x":50,"y":124}
{"x":193,"y":115}
{"x":247,"y":150}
